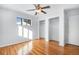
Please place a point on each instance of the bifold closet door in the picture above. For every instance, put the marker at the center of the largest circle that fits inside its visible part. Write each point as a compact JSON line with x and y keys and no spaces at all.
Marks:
{"x":42,"y":29}
{"x":74,"y":30}
{"x":54,"y":29}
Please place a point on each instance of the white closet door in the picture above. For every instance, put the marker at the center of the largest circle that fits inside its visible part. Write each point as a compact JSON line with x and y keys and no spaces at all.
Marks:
{"x":42,"y":29}
{"x":74,"y":29}
{"x":54,"y":29}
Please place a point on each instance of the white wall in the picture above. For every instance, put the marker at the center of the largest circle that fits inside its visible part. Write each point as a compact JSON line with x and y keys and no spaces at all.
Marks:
{"x":42,"y":29}
{"x":8,"y":31}
{"x":58,"y":11}
{"x":47,"y":29}
{"x":54,"y":29}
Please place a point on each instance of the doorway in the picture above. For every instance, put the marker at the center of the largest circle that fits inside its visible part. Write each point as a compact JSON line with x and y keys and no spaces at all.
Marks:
{"x":54,"y":29}
{"x":42,"y":29}
{"x":72,"y":32}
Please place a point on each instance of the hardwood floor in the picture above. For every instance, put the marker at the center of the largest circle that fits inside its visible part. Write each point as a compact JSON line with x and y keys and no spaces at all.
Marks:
{"x":39,"y":47}
{"x":11,"y":50}
{"x":50,"y":48}
{"x":71,"y":49}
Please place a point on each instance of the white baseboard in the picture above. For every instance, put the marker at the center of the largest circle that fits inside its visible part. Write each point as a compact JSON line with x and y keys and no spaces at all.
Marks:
{"x":72,"y":44}
{"x":8,"y":44}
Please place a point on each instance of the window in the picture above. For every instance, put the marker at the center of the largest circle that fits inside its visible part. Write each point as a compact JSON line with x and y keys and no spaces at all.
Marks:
{"x":24,"y":26}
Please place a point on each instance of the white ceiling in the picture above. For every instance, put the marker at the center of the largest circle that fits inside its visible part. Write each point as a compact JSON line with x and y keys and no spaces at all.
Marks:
{"x":24,"y":7}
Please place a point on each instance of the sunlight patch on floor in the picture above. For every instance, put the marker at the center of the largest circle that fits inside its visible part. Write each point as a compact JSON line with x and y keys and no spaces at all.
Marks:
{"x":26,"y":49}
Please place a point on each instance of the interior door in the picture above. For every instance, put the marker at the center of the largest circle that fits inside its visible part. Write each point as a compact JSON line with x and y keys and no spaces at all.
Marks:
{"x":42,"y":29}
{"x":54,"y":29}
{"x":74,"y":30}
